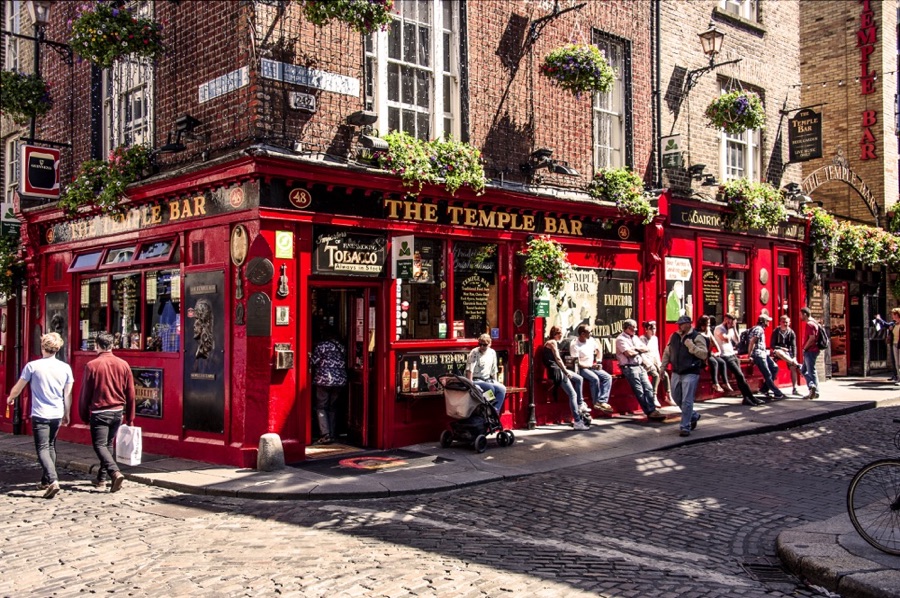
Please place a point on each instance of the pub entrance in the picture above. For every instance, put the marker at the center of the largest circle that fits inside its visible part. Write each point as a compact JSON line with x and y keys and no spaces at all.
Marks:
{"x":350,"y":313}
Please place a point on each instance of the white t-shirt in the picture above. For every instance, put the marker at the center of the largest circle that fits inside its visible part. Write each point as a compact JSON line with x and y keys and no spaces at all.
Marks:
{"x":727,"y":338}
{"x":653,"y":344}
{"x":48,"y":378}
{"x":583,"y":352}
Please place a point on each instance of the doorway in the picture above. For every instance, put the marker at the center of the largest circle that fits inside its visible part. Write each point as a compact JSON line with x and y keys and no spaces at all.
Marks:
{"x":349,"y":313}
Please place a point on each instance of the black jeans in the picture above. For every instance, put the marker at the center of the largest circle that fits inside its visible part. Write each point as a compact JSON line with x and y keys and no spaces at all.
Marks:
{"x":103,"y":433}
{"x":734,"y":366}
{"x":45,"y":431}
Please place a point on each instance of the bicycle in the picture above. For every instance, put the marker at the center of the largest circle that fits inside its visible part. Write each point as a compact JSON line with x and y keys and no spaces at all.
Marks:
{"x":873,"y":502}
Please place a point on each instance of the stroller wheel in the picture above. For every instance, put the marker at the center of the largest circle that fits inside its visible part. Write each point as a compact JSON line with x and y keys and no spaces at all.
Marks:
{"x":502,"y":439}
{"x":446,"y":438}
{"x":510,"y":438}
{"x":480,"y":443}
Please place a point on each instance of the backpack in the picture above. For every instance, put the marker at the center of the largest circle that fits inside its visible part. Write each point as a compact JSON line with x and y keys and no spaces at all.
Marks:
{"x":743,"y":346}
{"x":821,"y":338}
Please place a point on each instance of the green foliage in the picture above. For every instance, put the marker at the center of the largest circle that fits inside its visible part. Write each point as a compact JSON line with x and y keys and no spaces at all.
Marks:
{"x":546,"y":263}
{"x":446,"y":161}
{"x":736,"y":112}
{"x":12,"y":266}
{"x":893,"y":222}
{"x":755,"y":205}
{"x":364,"y":16}
{"x":102,"y":184}
{"x":579,"y":68}
{"x":823,"y":231}
{"x":103,"y":33}
{"x":626,"y":189}
{"x":24,"y":96}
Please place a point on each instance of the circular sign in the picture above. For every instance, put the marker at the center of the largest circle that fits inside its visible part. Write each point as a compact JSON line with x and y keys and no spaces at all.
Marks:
{"x":764,"y":296}
{"x":624,"y":232}
{"x":239,"y":244}
{"x":763,"y":276}
{"x":50,"y":235}
{"x":300,"y":198}
{"x":518,"y":317}
{"x":260,"y":271}
{"x":236,"y":197}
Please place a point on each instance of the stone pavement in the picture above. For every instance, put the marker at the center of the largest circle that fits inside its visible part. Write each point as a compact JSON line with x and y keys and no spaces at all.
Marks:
{"x":828,"y":553}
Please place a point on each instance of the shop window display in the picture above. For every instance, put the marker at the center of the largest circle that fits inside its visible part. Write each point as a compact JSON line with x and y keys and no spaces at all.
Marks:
{"x":725,"y":284}
{"x":422,"y":299}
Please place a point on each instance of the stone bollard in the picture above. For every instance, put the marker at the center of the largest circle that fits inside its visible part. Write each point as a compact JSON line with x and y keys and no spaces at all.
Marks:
{"x":270,"y":455}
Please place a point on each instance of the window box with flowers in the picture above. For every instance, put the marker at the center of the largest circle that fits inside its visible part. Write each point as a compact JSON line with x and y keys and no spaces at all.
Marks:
{"x":546,"y":263}
{"x":105,"y":32}
{"x":102,"y":184}
{"x":441,"y":161}
{"x":579,"y":68}
{"x":364,"y":16}
{"x":24,"y":96}
{"x":626,"y":189}
{"x":756,"y":206}
{"x":736,"y":112}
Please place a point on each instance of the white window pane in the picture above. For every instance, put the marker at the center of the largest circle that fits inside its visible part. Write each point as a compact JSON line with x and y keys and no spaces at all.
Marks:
{"x":423,"y":129}
{"x":394,"y":119}
{"x":394,"y":83}
{"x":409,"y":42}
{"x":394,"y":40}
{"x":407,"y":85}
{"x":423,"y":85}
{"x":424,"y":46}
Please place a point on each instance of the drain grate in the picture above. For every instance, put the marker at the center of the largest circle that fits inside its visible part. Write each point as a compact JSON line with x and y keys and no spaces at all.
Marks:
{"x":768,"y":573}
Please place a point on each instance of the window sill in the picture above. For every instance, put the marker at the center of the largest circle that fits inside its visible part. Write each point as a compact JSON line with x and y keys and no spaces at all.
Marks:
{"x":754,"y":26}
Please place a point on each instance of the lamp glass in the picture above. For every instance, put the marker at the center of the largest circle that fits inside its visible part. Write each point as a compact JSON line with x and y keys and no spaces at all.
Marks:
{"x":39,"y":11}
{"x":711,"y":40}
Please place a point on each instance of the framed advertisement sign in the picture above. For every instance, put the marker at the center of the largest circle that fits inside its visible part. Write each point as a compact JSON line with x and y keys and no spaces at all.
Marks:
{"x":40,"y":171}
{"x":148,"y":392}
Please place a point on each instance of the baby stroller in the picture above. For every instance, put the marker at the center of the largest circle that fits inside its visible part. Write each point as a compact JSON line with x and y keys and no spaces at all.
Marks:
{"x":474,"y":415}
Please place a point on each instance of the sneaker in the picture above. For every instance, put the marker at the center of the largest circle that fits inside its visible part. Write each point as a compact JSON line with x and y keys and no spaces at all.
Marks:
{"x":98,"y":483}
{"x":604,"y":407}
{"x":694,"y":422}
{"x":583,"y":408}
{"x":580,"y":425}
{"x":778,"y":397}
{"x":117,"y":483}
{"x":684,"y":433}
{"x":751,"y":402}
{"x":43,"y":486}
{"x":656,"y":414}
{"x":52,"y":490}
{"x":325,"y":440}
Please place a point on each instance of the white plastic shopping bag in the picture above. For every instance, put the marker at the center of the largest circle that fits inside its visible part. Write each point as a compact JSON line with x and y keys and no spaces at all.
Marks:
{"x":128,"y":445}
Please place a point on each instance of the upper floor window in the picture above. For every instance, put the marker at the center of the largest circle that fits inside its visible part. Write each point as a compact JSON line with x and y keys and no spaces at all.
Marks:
{"x":610,"y":112}
{"x":11,"y":171}
{"x":13,"y":24}
{"x":128,"y":97}
{"x":740,"y":155}
{"x":412,"y":70}
{"x":745,"y":9}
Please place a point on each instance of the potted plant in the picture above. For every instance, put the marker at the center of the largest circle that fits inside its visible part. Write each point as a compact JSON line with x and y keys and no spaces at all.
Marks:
{"x":546,"y":263}
{"x":823,"y":229}
{"x":102,"y":184}
{"x":446,"y":161}
{"x":24,"y":96}
{"x":736,"y":112}
{"x":105,"y":32}
{"x":624,"y":187}
{"x":364,"y":16}
{"x":12,"y":266}
{"x":579,"y":68}
{"x":755,"y":205}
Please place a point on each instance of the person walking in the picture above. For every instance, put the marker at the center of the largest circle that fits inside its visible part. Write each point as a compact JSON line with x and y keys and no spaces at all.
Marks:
{"x":760,"y":356}
{"x":107,"y":398}
{"x":330,"y":360}
{"x":726,"y":335}
{"x":686,"y":351}
{"x":653,"y":363}
{"x":784,"y":343}
{"x":630,"y":352}
{"x":51,"y":382}
{"x":588,"y":361}
{"x":570,"y":382}
{"x":716,"y":363}
{"x":811,"y":351}
{"x":481,"y":368}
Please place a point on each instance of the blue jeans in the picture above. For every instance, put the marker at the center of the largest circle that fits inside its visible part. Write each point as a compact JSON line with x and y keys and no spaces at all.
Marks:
{"x":600,"y":383}
{"x":572,"y":388}
{"x":499,"y":392}
{"x":808,"y":369}
{"x":640,"y":384}
{"x":769,"y":370}
{"x":103,"y":433}
{"x":684,"y":387}
{"x":45,"y":431}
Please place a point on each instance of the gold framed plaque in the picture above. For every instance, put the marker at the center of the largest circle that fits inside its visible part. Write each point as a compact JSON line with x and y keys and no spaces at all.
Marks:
{"x":239,"y":244}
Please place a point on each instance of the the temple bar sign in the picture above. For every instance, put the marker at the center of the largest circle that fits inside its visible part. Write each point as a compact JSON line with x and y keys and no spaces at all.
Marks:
{"x":805,"y":136}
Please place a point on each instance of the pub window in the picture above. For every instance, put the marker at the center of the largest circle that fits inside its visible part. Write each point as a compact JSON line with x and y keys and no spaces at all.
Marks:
{"x":118,"y":256}
{"x":725,"y":284}
{"x":162,"y":320}
{"x":740,"y":154}
{"x":422,"y":299}
{"x":125,"y":323}
{"x":611,"y":108}
{"x":745,"y":9}
{"x":155,"y":251}
{"x":475,"y":289}
{"x":86,"y":261}
{"x":93,"y":311}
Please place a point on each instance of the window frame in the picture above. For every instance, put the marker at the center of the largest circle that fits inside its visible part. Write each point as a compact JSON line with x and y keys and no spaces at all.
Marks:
{"x":12,"y":168}
{"x":744,"y":9}
{"x":726,"y":266}
{"x":12,"y":23}
{"x":750,"y":142}
{"x":622,"y":87}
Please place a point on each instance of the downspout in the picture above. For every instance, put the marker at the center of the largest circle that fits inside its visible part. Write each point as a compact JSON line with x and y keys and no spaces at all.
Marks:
{"x":657,"y":103}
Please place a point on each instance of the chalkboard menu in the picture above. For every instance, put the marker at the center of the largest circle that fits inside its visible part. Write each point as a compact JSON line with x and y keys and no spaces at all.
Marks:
{"x":816,"y":303}
{"x":736,"y":299}
{"x":474,"y":297}
{"x":712,"y":294}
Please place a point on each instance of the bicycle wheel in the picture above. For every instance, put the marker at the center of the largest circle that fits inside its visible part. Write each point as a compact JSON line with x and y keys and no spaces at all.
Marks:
{"x":873,"y":502}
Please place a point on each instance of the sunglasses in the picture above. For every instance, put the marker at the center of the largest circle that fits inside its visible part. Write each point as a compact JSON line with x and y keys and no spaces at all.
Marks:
{"x":484,"y":344}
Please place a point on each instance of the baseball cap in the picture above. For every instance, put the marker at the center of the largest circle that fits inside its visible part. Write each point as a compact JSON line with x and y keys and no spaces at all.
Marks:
{"x":765,"y":317}
{"x":684,"y":320}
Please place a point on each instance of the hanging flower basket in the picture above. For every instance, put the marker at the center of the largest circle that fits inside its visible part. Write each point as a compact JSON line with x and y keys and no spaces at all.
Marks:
{"x":104,"y":33}
{"x":736,"y":112}
{"x":102,"y":184}
{"x":364,"y":16}
{"x":579,"y":68}
{"x":626,"y":189}
{"x":24,"y":96}
{"x":756,"y":206}
{"x":12,"y":266}
{"x":441,"y":161}
{"x":546,"y":263}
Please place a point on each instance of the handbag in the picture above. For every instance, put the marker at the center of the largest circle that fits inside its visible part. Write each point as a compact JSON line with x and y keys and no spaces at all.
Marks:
{"x":129,"y":445}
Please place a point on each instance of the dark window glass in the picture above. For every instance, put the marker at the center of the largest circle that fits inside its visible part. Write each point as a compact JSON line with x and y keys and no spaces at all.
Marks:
{"x":421,"y":300}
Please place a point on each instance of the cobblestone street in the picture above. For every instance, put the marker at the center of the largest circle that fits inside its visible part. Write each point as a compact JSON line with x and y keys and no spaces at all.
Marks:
{"x":699,"y":520}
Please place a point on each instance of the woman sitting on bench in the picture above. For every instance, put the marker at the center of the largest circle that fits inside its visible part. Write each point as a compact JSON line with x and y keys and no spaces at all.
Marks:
{"x":565,"y":379}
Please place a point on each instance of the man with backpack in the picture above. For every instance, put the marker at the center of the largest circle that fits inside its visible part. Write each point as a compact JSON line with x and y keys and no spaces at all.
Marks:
{"x":726,"y":335}
{"x":687,"y":351}
{"x":764,"y":362}
{"x":811,"y":348}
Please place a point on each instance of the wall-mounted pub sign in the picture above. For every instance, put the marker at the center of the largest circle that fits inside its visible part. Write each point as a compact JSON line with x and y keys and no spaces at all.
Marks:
{"x":40,"y":171}
{"x":805,"y":136}
{"x":346,"y":253}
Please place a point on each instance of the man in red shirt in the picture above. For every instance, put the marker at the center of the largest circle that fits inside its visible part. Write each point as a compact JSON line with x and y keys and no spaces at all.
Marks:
{"x":107,"y":396}
{"x":810,"y":352}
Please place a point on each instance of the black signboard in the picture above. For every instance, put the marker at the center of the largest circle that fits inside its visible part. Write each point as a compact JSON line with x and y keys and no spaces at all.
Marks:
{"x":712,"y":293}
{"x":805,"y":136}
{"x":474,"y":267}
{"x":204,"y":352}
{"x":693,"y":217}
{"x":348,"y":253}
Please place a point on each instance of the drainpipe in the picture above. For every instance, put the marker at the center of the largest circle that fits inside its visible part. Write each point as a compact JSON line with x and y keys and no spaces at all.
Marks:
{"x":657,"y":92}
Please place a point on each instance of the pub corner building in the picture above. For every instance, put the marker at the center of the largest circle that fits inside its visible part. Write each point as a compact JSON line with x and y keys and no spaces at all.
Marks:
{"x":217,"y":286}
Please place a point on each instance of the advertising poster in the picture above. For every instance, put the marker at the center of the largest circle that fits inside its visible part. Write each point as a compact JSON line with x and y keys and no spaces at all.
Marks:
{"x":679,"y":288}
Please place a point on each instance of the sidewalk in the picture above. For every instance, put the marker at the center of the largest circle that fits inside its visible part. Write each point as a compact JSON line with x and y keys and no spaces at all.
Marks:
{"x":825,"y":553}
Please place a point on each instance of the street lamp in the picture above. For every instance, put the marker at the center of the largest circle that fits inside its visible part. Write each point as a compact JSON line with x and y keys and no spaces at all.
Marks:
{"x":711,"y":42}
